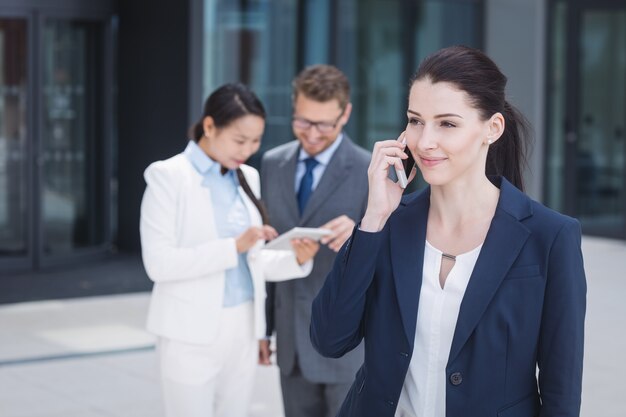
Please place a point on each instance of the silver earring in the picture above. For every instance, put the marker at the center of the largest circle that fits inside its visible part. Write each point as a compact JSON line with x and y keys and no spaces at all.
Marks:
{"x":489,"y":141}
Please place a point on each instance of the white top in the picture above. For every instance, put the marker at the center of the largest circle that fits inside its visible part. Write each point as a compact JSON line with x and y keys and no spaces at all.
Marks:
{"x":424,"y":390}
{"x":185,"y":257}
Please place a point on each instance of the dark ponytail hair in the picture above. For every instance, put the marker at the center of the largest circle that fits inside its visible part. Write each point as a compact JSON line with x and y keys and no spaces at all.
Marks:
{"x":225,"y":105}
{"x":474,"y":73}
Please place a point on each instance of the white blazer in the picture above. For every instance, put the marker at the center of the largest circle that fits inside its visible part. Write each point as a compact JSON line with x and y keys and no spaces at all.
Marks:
{"x":186,"y":259}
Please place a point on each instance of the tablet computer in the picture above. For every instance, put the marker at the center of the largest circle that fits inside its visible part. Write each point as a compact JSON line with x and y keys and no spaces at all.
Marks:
{"x":283,"y":242}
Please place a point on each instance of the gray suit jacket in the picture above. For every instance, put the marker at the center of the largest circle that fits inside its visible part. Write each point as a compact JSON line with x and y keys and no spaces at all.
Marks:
{"x":341,"y":190}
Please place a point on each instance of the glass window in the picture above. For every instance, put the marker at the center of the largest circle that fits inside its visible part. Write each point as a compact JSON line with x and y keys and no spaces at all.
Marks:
{"x":556,"y":107}
{"x":14,"y":210}
{"x":317,"y":32}
{"x":253,"y":42}
{"x":601,"y":149}
{"x":71,"y":141}
{"x":585,"y":147}
{"x":372,"y":53}
{"x":378,"y":44}
{"x":381,"y":43}
{"x":441,"y":23}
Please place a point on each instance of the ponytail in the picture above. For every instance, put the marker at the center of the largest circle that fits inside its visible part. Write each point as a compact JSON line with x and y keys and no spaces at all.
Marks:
{"x":195,"y":132}
{"x":508,"y":155}
{"x":258,"y":203}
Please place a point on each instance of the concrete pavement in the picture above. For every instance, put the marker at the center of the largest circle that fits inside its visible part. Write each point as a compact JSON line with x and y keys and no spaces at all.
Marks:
{"x":91,"y":357}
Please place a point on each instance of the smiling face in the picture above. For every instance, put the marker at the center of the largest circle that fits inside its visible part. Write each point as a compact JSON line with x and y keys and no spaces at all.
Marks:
{"x":446,"y":135}
{"x":232,"y":145}
{"x":326,"y":116}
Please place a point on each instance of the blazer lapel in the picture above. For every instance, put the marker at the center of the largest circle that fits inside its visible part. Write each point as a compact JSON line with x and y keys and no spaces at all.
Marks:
{"x":504,"y":241}
{"x":408,"y":237}
{"x":287,"y":183}
{"x":338,"y":166}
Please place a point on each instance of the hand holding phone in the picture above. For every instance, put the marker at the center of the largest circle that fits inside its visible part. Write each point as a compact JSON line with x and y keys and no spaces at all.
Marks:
{"x":403,"y":175}
{"x":384,"y":195}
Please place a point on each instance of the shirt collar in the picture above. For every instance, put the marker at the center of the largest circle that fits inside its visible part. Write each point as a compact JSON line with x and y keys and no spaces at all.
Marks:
{"x":202,"y":162}
{"x":324,"y":156}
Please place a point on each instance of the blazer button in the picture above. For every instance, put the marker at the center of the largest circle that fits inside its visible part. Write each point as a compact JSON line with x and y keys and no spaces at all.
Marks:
{"x":390,"y":403}
{"x":404,"y":354}
{"x":456,"y":378}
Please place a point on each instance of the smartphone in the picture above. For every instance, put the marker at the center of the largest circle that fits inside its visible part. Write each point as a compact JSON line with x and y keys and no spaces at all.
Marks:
{"x":408,"y":164}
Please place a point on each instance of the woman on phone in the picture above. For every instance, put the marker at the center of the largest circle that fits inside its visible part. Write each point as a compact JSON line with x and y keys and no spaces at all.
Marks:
{"x":202,"y":237}
{"x":462,"y":291}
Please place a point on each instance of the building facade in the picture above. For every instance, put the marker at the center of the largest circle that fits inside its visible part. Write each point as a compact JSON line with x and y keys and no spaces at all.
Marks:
{"x":92,"y":92}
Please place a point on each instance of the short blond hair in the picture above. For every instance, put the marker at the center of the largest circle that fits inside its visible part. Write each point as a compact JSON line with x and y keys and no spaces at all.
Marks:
{"x":322,"y":83}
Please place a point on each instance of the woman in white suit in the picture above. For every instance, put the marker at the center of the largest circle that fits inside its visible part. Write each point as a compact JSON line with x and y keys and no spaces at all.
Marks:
{"x":202,"y":236}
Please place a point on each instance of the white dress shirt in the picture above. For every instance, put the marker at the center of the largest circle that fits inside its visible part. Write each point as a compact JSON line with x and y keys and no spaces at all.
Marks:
{"x":424,"y":390}
{"x":323,"y":159}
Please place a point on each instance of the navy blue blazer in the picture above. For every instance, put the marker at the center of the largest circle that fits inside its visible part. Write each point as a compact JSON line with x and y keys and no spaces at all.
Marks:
{"x":523,"y":310}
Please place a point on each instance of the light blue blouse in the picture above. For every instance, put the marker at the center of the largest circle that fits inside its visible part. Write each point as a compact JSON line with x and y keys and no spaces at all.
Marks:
{"x":231,"y":219}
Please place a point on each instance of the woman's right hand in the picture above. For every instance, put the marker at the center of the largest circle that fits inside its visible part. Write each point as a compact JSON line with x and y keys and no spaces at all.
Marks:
{"x":254,"y":233}
{"x":384,"y":195}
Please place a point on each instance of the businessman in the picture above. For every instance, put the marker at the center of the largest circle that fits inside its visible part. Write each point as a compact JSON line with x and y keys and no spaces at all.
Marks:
{"x":318,"y":180}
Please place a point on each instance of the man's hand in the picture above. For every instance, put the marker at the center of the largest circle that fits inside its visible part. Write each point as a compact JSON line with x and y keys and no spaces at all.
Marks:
{"x":305,"y":249}
{"x":264,"y":352}
{"x":341,"y":228}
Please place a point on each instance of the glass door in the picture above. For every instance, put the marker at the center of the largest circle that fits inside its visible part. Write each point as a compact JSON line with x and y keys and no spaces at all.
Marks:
{"x":601,"y":162}
{"x":71,"y":160}
{"x":587,"y":141}
{"x":54,"y":141}
{"x":15,"y":242}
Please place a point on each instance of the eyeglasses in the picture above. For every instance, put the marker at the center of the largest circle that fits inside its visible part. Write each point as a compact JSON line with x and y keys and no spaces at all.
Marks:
{"x":301,"y":123}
